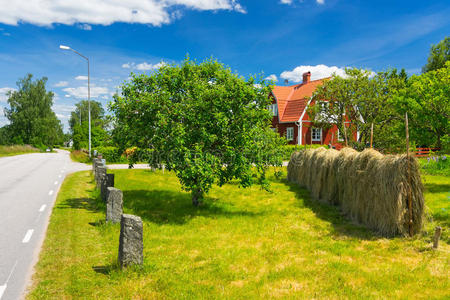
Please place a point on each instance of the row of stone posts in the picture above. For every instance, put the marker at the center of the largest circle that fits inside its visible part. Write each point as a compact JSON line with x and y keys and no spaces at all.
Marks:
{"x":131,"y":230}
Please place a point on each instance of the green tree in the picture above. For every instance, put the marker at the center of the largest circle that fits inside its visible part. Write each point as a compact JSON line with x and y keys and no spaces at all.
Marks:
{"x":427,"y":101}
{"x":363,"y":98}
{"x":79,"y":125}
{"x":203,"y":121}
{"x":32,"y":120}
{"x":439,"y":55}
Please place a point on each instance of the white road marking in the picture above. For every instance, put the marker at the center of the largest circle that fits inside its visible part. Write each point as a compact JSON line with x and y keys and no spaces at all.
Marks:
{"x":56,"y":182}
{"x":10,"y":273}
{"x":50,"y":193}
{"x":2,"y":290}
{"x":28,"y":235}
{"x":43,"y":207}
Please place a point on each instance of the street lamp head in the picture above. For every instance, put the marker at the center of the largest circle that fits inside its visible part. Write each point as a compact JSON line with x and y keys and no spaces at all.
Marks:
{"x":64,"y":47}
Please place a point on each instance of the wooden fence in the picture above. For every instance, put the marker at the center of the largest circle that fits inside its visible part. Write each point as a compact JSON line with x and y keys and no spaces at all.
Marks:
{"x":423,"y":152}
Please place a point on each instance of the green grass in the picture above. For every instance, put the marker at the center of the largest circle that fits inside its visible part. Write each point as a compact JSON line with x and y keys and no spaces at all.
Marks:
{"x":17,"y":150}
{"x":240,"y":244}
{"x":436,"y":165}
{"x":80,"y":156}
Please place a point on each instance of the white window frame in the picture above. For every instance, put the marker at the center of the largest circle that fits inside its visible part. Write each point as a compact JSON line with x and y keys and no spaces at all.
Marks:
{"x":316,"y":139}
{"x":340,"y":137}
{"x":290,"y":133}
{"x":274,"y":109}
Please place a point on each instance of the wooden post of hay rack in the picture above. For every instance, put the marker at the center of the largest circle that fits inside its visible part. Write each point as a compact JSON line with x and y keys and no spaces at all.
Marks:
{"x":437,"y":236}
{"x":345,"y":132}
{"x":371,"y":136}
{"x":409,"y":176}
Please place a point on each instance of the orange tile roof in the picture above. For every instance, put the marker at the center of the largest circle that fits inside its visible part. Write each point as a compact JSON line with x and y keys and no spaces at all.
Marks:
{"x":292,"y":100}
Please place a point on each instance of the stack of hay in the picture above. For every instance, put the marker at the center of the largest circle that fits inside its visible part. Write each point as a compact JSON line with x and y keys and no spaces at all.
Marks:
{"x":371,"y":188}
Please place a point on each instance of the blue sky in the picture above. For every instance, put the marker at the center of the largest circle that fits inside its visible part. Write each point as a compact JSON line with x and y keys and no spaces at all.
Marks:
{"x":280,"y":38}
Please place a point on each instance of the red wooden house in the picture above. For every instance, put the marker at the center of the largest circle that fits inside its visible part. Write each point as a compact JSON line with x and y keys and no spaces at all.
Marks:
{"x":290,"y":117}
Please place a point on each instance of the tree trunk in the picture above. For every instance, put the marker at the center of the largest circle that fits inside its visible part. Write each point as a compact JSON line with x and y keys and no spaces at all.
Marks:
{"x":197,"y":195}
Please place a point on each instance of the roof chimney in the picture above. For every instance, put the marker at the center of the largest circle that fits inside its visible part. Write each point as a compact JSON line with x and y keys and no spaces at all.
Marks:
{"x":306,"y":77}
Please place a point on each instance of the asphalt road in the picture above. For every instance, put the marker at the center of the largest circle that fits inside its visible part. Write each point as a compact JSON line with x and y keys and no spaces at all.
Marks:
{"x":28,"y":188}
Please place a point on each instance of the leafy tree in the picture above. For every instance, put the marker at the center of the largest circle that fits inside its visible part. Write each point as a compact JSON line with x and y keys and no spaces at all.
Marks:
{"x":427,"y":101}
{"x":363,"y":99}
{"x":32,"y":120}
{"x":81,"y":112}
{"x":80,"y":131}
{"x":203,"y":121}
{"x":439,"y":55}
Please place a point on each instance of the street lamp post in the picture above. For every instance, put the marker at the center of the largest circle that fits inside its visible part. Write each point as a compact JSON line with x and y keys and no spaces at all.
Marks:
{"x":89,"y":91}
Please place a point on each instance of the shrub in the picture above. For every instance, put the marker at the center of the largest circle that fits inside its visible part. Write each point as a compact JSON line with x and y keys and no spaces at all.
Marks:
{"x":289,"y":149}
{"x":111,"y":154}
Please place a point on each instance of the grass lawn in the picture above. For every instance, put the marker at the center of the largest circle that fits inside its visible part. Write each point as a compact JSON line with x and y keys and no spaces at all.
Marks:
{"x":242,"y":243}
{"x":17,"y":150}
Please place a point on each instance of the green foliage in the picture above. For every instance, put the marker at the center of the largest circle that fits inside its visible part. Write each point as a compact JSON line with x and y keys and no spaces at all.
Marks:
{"x":426,"y":98}
{"x":111,"y":154}
{"x":203,"y":121}
{"x":32,"y":120}
{"x":80,"y":131}
{"x":289,"y":149}
{"x":364,"y":99}
{"x":439,"y":55}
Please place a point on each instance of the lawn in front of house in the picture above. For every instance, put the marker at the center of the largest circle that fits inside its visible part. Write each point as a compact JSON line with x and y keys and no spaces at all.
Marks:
{"x":241,"y":243}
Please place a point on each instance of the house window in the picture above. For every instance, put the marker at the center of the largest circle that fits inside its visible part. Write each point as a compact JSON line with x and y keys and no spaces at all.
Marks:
{"x":290,"y":133}
{"x":316,"y":134}
{"x":274,"y":109}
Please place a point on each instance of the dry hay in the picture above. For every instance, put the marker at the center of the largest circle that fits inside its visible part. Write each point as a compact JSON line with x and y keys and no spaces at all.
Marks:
{"x":371,"y":188}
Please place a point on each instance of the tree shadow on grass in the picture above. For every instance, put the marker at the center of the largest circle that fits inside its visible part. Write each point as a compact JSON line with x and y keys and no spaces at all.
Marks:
{"x":90,"y":204}
{"x":168,"y":207}
{"x":327,"y":212}
{"x":436,"y":188}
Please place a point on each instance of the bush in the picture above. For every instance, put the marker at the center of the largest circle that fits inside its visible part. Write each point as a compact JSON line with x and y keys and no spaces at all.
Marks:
{"x":436,"y":165}
{"x":111,"y":154}
{"x":289,"y":149}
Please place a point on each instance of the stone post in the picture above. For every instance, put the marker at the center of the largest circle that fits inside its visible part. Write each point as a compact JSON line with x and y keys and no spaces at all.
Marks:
{"x":108,"y":181}
{"x":114,"y":205}
{"x":97,"y":165}
{"x":101,"y":173}
{"x":131,"y":245}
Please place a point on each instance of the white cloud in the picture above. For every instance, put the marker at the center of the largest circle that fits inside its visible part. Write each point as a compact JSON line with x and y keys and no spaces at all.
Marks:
{"x":317,"y":72}
{"x":106,"y":12}
{"x":81,"y":77}
{"x":143,"y":66}
{"x":81,"y":92}
{"x":61,"y":84}
{"x":3,"y":92}
{"x":272,"y":77}
{"x":84,"y":27}
{"x":63,"y":108}
{"x":289,"y":2}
